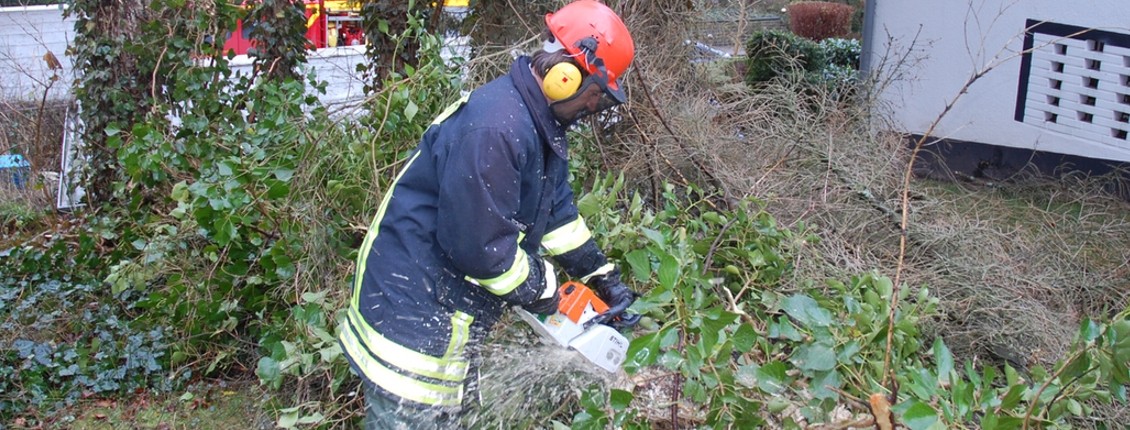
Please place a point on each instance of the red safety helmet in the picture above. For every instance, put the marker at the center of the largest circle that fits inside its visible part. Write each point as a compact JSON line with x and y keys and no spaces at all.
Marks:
{"x":597,"y":38}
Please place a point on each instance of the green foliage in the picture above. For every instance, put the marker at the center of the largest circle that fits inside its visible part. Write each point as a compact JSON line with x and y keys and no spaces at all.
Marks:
{"x":774,"y":53}
{"x":695,"y":266}
{"x":744,"y":352}
{"x":108,"y":87}
{"x":831,"y":65}
{"x":394,"y":34}
{"x":841,"y":73}
{"x":842,"y":52}
{"x":18,"y":215}
{"x":279,"y":37}
{"x":238,"y":220}
{"x":65,"y":338}
{"x":239,"y":194}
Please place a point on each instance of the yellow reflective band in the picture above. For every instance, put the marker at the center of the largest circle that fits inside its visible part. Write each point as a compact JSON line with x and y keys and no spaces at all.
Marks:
{"x":452,"y":367}
{"x":510,"y":279}
{"x":460,"y":334}
{"x":395,"y":383}
{"x":374,"y":229}
{"x":567,"y":237}
{"x":602,"y":270}
{"x":450,"y":109}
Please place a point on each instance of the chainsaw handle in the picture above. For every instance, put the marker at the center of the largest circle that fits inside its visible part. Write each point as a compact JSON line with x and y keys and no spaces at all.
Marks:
{"x":625,"y":320}
{"x":617,"y":317}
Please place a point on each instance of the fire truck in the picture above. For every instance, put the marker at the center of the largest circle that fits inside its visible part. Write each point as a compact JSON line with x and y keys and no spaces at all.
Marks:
{"x":329,"y":23}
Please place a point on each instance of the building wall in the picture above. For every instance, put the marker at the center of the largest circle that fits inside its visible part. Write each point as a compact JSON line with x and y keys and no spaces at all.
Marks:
{"x":1071,"y":95}
{"x":26,"y":35}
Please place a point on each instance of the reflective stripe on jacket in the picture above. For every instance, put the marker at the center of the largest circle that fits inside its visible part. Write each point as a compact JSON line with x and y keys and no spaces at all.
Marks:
{"x":458,"y":237}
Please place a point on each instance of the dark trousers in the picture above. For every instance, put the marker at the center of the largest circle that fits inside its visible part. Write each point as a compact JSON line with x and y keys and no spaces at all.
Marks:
{"x":383,"y":413}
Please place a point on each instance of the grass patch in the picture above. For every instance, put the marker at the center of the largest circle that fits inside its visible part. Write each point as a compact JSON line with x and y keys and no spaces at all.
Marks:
{"x":217,"y":405}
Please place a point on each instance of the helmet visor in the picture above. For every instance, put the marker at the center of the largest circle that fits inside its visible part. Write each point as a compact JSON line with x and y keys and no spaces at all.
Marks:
{"x":608,"y":97}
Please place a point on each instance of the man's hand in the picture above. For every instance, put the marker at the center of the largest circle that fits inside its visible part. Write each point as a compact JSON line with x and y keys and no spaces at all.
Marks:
{"x":546,"y":303}
{"x":618,"y":297}
{"x":543,"y":306}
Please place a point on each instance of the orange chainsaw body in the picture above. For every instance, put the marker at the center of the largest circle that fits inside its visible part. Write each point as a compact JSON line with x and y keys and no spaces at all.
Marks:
{"x":575,"y":299}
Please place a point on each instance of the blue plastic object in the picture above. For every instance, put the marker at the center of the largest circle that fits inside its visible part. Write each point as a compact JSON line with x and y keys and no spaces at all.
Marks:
{"x":14,"y":169}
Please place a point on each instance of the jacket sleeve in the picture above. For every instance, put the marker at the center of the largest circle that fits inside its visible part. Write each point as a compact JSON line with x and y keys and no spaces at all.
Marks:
{"x":478,"y":197}
{"x":569,"y":240}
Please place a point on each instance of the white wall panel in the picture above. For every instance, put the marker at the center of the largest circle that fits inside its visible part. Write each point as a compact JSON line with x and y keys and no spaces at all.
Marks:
{"x":1011,"y":104}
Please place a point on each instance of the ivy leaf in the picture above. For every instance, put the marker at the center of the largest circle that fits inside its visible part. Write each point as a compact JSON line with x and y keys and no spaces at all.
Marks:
{"x":284,"y":266}
{"x":772,"y":377}
{"x":643,"y":351}
{"x":668,"y":271}
{"x":744,"y":338}
{"x":919,"y":416}
{"x":585,"y":421}
{"x":620,"y":399}
{"x":825,"y":384}
{"x":283,"y":174}
{"x":746,"y":375}
{"x":411,"y":110}
{"x":180,"y":192}
{"x":277,"y":190}
{"x":312,"y":419}
{"x":694,"y":390}
{"x":814,"y":357}
{"x":224,"y":232}
{"x":288,"y":418}
{"x":640,"y":263}
{"x":944,"y":359}
{"x":805,"y":310}
{"x":1012,"y":397}
{"x":655,"y":236}
{"x":1077,"y":366}
{"x":270,"y":373}
{"x":1120,"y":340}
{"x":225,"y":168}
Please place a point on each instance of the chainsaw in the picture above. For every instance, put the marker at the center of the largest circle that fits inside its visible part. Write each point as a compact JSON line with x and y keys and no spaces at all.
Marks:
{"x":574,"y":326}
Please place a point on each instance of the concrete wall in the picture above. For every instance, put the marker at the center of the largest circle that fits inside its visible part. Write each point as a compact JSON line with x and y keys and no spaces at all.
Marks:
{"x":336,"y":66}
{"x":1070,"y":95}
{"x":27,"y":33}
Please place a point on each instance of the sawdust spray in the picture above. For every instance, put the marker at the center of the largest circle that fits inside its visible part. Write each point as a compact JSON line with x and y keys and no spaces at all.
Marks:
{"x":525,"y":384}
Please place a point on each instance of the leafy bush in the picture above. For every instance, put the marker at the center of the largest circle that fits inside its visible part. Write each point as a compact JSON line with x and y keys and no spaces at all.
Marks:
{"x":842,"y":52}
{"x":65,"y":338}
{"x":775,"y":53}
{"x":818,"y":20}
{"x":829,"y":65}
{"x":841,"y":73}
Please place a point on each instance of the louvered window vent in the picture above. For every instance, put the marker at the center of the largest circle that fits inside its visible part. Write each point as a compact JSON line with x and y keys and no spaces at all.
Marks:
{"x":1076,"y":81}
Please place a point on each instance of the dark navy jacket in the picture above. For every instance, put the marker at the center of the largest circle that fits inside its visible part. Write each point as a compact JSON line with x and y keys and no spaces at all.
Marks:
{"x":460,"y":237}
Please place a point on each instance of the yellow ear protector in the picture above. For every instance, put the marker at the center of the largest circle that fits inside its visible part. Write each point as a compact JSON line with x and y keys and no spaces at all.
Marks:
{"x":561,"y":81}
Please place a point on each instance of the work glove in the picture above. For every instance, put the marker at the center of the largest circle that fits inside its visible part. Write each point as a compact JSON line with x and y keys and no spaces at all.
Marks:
{"x":547,"y":302}
{"x":618,"y":297}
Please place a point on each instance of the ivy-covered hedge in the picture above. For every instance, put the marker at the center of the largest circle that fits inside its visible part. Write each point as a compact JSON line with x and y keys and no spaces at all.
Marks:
{"x":832,"y":63}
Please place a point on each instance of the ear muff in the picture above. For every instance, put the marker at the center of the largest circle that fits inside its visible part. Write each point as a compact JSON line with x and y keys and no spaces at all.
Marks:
{"x":561,"y":81}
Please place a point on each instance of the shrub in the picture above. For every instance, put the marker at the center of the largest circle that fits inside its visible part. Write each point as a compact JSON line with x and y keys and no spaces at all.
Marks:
{"x":841,"y":69}
{"x":776,"y":53}
{"x":842,"y":52}
{"x":819,"y":20}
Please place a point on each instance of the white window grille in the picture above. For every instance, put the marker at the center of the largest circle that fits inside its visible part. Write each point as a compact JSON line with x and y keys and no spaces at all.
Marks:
{"x":1076,"y":81}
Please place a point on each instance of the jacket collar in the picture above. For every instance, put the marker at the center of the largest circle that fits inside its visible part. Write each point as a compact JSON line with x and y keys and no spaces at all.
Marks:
{"x":548,"y":128}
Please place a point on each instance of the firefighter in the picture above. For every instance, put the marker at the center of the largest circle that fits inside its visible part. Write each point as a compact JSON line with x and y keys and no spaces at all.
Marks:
{"x":472,"y":220}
